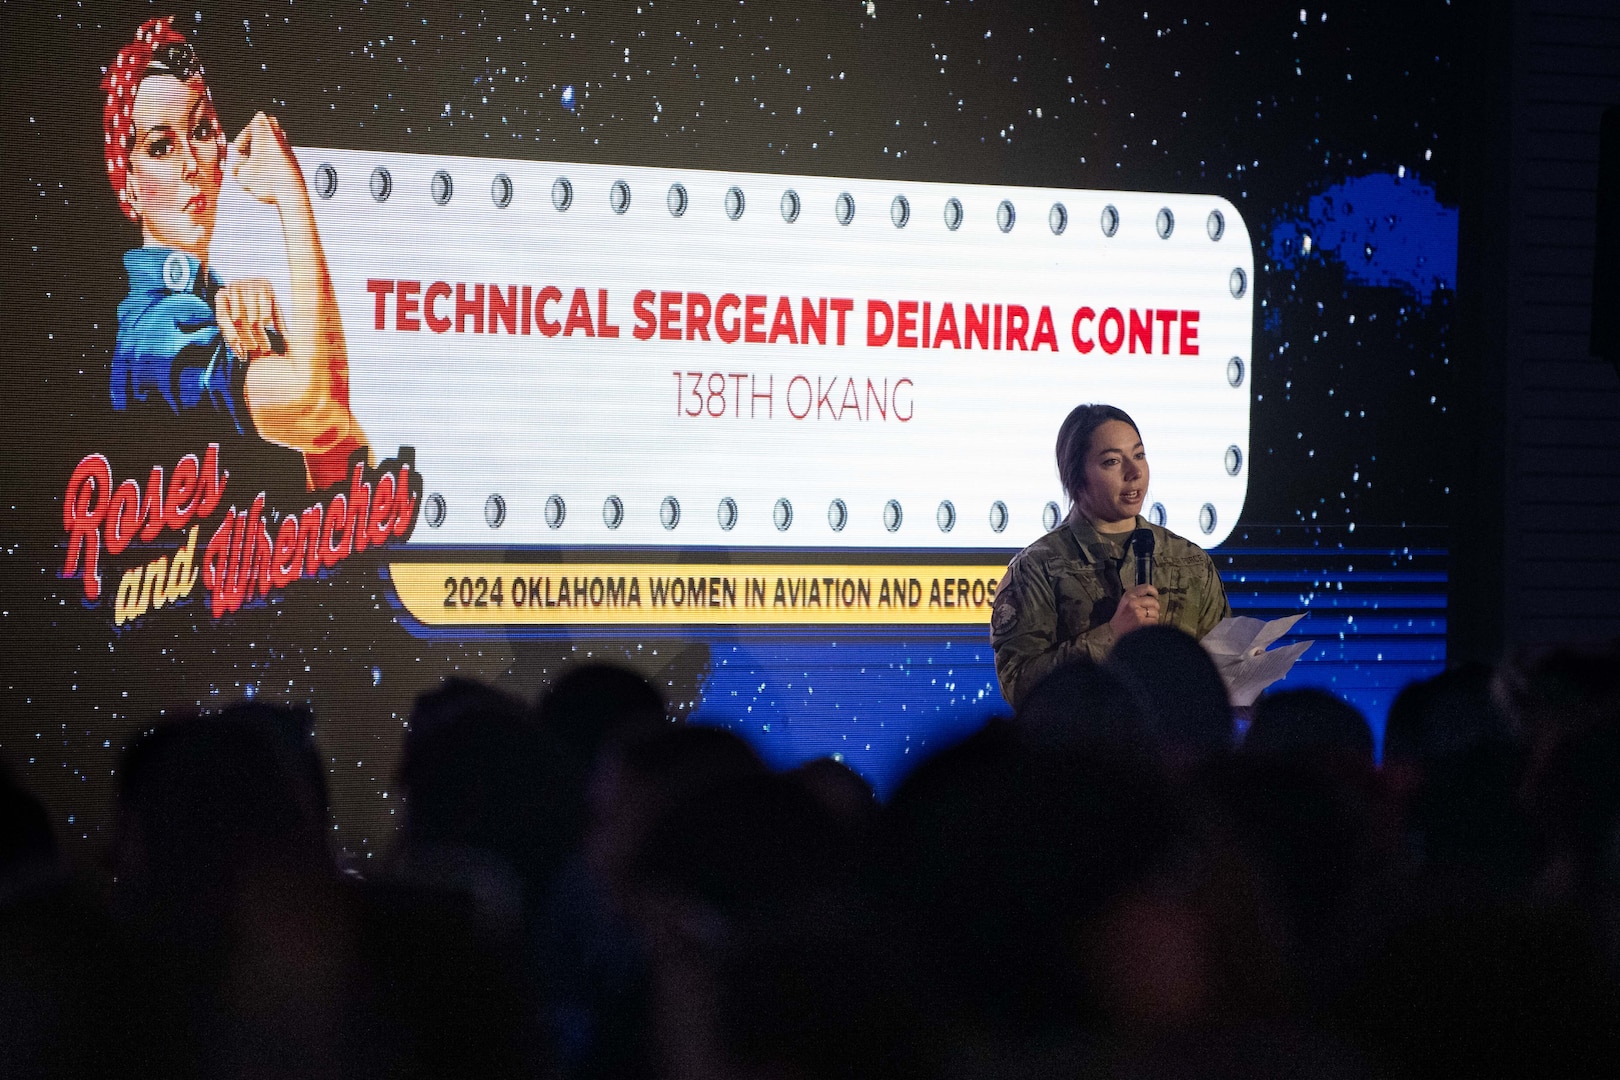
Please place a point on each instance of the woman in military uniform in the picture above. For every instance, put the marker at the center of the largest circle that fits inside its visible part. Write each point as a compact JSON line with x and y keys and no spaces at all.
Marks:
{"x":218,"y":362}
{"x":1073,"y":592}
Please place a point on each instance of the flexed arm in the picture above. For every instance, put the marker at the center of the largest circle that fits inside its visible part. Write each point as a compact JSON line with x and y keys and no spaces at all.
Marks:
{"x":299,"y":398}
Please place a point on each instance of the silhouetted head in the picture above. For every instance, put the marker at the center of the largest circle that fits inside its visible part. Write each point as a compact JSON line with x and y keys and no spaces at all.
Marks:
{"x":1454,"y":764}
{"x":596,"y":702}
{"x":1083,"y":709}
{"x":1552,"y":695}
{"x":1182,"y":695}
{"x":26,"y":839}
{"x":1308,"y":726}
{"x":1001,"y":853}
{"x":453,"y":700}
{"x":1567,"y":701}
{"x":207,"y":802}
{"x":1436,"y":720}
{"x":841,"y":790}
{"x":747,"y":848}
{"x":638,"y":780}
{"x":944,"y":795}
{"x":479,"y":773}
{"x":1577,"y":802}
{"x":733,"y":892}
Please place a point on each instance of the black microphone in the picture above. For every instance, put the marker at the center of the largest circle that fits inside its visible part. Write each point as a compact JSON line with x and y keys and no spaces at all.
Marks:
{"x":1142,"y":543}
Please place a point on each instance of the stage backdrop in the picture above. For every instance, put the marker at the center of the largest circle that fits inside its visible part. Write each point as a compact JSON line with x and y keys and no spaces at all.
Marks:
{"x":726,"y":341}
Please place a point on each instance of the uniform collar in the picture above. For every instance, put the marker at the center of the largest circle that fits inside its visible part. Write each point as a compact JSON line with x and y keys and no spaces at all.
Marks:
{"x":165,"y":270}
{"x":1093,"y":548}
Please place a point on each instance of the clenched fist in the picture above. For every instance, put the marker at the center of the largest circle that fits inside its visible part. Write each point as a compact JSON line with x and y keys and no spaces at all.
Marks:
{"x":263,"y":162}
{"x":248,"y":316}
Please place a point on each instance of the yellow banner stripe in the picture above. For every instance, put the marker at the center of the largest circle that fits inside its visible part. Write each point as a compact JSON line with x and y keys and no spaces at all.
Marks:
{"x":707,"y":594}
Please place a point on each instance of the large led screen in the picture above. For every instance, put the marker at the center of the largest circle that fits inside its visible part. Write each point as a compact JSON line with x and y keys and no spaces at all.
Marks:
{"x":727,"y":341}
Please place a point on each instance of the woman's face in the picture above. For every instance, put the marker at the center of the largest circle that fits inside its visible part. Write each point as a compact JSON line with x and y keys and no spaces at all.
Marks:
{"x":177,"y":164}
{"x":1116,"y":475}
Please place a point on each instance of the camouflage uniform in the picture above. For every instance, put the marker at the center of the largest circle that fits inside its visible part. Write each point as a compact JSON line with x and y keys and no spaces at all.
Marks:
{"x":1055,"y":601}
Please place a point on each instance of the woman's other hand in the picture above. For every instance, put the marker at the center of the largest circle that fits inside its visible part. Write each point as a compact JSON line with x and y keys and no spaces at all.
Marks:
{"x":263,"y":162}
{"x":1139,"y":607}
{"x":247,"y":315}
{"x":299,"y":399}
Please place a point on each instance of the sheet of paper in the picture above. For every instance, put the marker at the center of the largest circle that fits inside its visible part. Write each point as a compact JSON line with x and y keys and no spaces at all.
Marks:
{"x":1274,"y":630}
{"x":1238,"y":648}
{"x":1248,"y":679}
{"x":1232,"y":636}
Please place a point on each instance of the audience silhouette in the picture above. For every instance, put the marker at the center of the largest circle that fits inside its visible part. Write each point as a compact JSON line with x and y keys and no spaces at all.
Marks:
{"x":1109,"y":883}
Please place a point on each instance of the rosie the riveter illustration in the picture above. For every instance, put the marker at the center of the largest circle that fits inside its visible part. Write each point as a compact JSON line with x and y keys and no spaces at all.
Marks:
{"x":221,"y":359}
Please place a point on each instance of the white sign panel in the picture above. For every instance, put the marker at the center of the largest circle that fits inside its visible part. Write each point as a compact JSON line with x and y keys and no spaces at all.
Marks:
{"x":602,"y":356}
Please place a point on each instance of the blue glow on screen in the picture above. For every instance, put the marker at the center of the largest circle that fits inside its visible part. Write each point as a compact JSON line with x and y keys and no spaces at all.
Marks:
{"x":882,"y":702}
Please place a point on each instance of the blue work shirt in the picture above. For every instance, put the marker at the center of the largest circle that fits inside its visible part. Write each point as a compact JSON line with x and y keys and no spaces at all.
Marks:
{"x":169,"y":345}
{"x":178,"y":387}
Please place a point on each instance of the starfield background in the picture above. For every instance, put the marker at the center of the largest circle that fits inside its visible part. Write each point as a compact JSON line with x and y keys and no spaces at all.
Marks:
{"x":1327,"y":126}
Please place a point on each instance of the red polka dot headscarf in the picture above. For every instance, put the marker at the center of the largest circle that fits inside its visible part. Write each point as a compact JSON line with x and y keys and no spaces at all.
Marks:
{"x":158,"y":48}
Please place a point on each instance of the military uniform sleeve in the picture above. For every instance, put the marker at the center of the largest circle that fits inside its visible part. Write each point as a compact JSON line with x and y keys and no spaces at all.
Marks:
{"x":1212,"y":596}
{"x":1024,"y":632}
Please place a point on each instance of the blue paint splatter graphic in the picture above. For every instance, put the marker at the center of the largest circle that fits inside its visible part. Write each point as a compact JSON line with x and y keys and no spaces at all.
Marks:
{"x":1384,"y":228}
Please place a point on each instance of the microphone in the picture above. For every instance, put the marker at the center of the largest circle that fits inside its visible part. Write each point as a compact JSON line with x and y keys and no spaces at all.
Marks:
{"x":1142,"y":543}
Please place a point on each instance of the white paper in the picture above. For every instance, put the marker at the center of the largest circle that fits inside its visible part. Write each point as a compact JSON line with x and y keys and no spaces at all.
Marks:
{"x":1238,"y":647}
